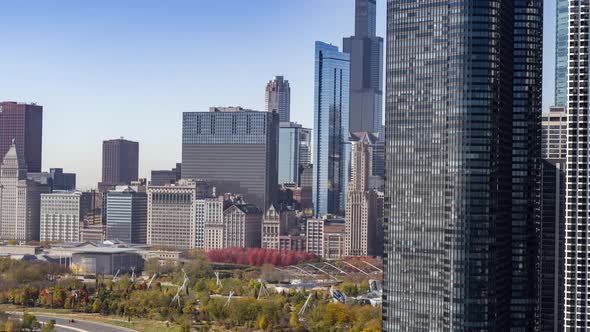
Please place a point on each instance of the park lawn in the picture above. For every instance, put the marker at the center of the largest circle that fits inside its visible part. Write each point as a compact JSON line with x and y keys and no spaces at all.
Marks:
{"x":141,"y":325}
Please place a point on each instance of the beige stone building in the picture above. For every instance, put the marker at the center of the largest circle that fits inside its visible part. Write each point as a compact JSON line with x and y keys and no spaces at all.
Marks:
{"x":242,"y":224}
{"x":20,"y":199}
{"x":172,"y":214}
{"x":276,"y":223}
{"x":364,"y":206}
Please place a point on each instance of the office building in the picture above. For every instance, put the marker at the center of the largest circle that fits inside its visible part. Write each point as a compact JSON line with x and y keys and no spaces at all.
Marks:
{"x":577,"y":210}
{"x":554,"y":134}
{"x":241,"y":226}
{"x":366,"y":70}
{"x":234,"y":150}
{"x":561,"y":49}
{"x":292,"y":242}
{"x":314,"y":233}
{"x":278,"y":98}
{"x":20,"y":199}
{"x":330,"y":130}
{"x":277,"y":221}
{"x":326,"y":237}
{"x":462,"y":191}
{"x":334,"y":242}
{"x":552,"y":246}
{"x":120,"y":163}
{"x":172,"y":213}
{"x":163,"y":177}
{"x":62,"y":214}
{"x":364,"y":218}
{"x":294,"y":151}
{"x":379,"y":154}
{"x":126,"y":215}
{"x":210,"y":215}
{"x":24,"y":124}
{"x":209,"y":211}
{"x":305,"y":138}
{"x":56,"y":179}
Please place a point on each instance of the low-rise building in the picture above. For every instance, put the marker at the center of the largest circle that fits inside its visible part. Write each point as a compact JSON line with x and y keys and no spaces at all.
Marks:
{"x":326,"y":237}
{"x":106,"y":261}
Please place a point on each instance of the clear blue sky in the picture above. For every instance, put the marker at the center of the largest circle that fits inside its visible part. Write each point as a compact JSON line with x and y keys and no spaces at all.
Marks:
{"x":104,"y":69}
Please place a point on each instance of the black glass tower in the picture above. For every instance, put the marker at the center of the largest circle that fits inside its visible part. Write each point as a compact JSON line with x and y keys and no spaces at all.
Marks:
{"x":463,"y":107}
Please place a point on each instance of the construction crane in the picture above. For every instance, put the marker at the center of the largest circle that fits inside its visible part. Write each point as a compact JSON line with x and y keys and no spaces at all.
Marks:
{"x":151,"y":280}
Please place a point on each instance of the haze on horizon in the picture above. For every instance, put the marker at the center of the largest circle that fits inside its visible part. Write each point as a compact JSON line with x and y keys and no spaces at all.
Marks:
{"x":129,"y":68}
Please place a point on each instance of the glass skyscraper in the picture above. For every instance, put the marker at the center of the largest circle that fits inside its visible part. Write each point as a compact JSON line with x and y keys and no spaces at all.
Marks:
{"x":330,"y":131}
{"x":463,"y":107}
{"x":561,"y":53}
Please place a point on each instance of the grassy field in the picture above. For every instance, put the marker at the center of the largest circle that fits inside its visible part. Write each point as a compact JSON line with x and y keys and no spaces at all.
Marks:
{"x":140,"y":325}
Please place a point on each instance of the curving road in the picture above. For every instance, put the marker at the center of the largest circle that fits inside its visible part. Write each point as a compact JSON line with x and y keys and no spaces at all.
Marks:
{"x":64,"y":325}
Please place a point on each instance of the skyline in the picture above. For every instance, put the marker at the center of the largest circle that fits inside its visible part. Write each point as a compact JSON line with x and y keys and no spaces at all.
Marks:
{"x":146,"y":65}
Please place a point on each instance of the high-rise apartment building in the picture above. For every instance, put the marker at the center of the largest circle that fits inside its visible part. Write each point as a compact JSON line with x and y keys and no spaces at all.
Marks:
{"x":577,"y":211}
{"x":331,"y":128}
{"x":364,"y":212}
{"x":462,"y":191}
{"x":172,"y":214}
{"x":126,"y":214}
{"x":234,"y":150}
{"x":120,"y":163}
{"x":366,"y":70}
{"x":278,"y":98}
{"x":62,"y":215}
{"x":24,"y":124}
{"x":20,"y":199}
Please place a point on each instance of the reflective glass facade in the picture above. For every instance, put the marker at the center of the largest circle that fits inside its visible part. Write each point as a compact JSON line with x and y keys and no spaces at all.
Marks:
{"x":126,"y":216}
{"x":463,"y":89}
{"x":289,"y":154}
{"x":561,"y":53}
{"x":331,"y":157}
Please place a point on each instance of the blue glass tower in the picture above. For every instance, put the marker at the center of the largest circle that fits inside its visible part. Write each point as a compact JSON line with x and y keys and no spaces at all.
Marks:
{"x":561,"y":53}
{"x":330,"y":165}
